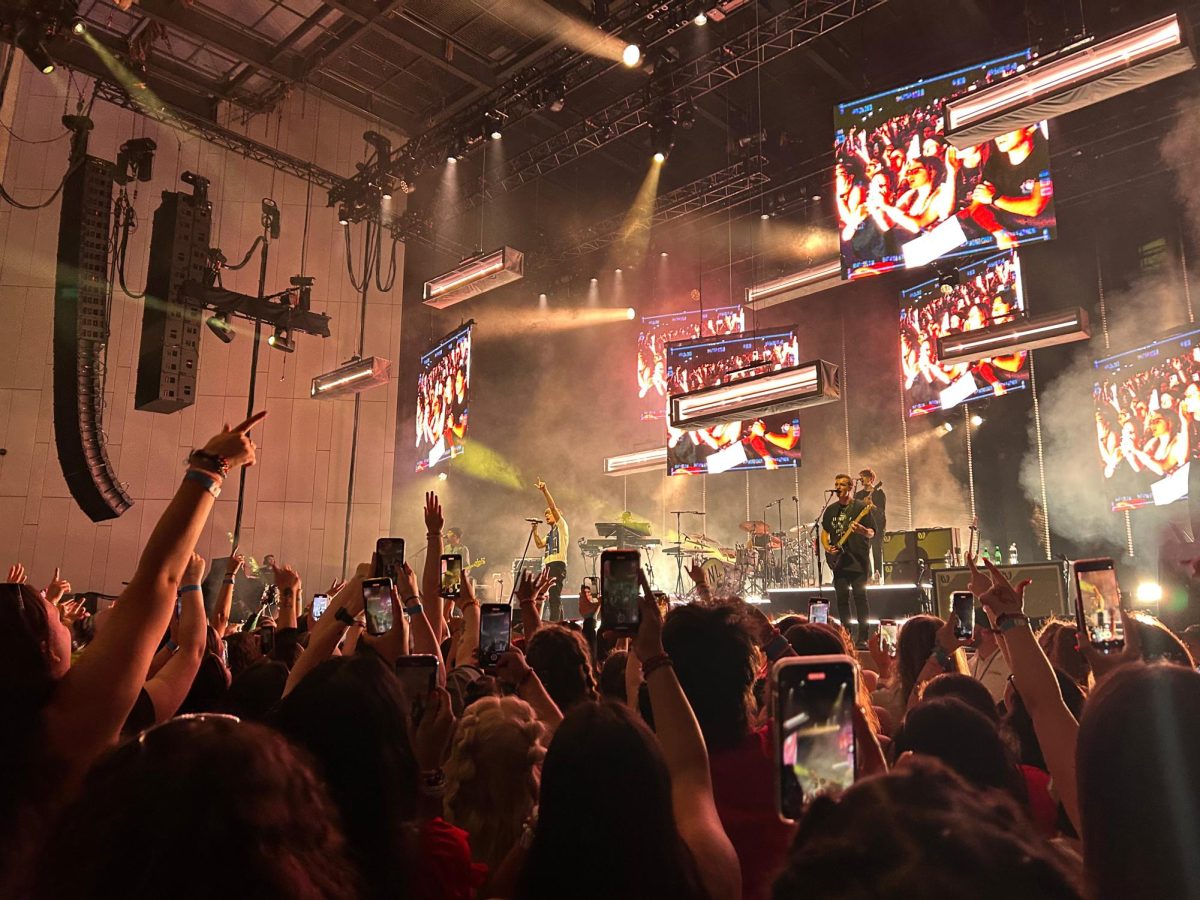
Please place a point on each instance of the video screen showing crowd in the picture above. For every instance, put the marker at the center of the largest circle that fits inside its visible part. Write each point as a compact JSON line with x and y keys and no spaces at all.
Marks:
{"x":906,"y":197}
{"x":988,"y":292}
{"x":658,"y":331}
{"x":443,"y":390}
{"x":1148,"y":420}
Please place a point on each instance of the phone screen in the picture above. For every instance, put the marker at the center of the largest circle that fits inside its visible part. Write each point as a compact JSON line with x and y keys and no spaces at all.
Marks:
{"x":619,"y":590}
{"x":495,"y":631}
{"x":888,"y":632}
{"x":389,"y":557}
{"x":963,"y":605}
{"x":1099,"y":602}
{"x":418,"y":675}
{"x":377,"y":601}
{"x":451,"y":575}
{"x":814,"y":704}
{"x":818,"y":612}
{"x":266,"y":639}
{"x":320,"y":603}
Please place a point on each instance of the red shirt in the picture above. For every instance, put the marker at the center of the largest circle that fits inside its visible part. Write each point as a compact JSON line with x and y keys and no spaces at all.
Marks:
{"x":446,"y":871}
{"x":744,"y":789}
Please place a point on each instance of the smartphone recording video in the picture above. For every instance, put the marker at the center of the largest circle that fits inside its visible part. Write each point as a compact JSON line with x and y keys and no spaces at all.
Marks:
{"x":813,"y":699}
{"x":962,"y":603}
{"x":320,"y":603}
{"x":377,"y":602}
{"x":1098,"y":603}
{"x":452,"y":570}
{"x":418,"y":675}
{"x":818,"y":612}
{"x":619,"y":590}
{"x":389,"y":557}
{"x":495,"y":632}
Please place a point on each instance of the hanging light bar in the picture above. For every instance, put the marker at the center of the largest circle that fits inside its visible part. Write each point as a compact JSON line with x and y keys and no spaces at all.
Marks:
{"x":1063,"y":327}
{"x":475,"y":276}
{"x":799,"y":284}
{"x":808,"y":384}
{"x":638,"y":461}
{"x":353,"y":377}
{"x":1075,"y":77}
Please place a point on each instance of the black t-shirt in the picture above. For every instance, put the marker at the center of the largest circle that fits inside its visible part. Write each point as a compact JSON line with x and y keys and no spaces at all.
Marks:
{"x":879,"y":514}
{"x":857,"y":549}
{"x":1018,"y":181}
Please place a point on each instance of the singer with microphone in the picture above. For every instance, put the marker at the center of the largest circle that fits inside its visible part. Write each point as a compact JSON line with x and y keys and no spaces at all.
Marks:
{"x":554,"y":549}
{"x":846,"y":533}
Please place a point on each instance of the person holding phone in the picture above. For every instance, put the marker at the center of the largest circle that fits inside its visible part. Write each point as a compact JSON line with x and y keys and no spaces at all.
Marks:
{"x":554,"y":549}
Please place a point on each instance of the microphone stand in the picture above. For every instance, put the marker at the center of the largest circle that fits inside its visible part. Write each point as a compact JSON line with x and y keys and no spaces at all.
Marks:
{"x":524,"y":556}
{"x":799,"y":539}
{"x":926,"y":606}
{"x":778,"y":504}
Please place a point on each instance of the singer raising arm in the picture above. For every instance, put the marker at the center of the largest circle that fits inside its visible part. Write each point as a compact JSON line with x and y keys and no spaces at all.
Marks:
{"x":541,"y":486}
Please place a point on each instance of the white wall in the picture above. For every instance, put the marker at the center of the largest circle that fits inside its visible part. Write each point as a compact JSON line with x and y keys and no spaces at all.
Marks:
{"x":296,"y":496}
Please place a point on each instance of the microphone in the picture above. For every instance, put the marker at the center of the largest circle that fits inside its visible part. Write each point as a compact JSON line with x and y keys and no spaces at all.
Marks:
{"x":533,"y":521}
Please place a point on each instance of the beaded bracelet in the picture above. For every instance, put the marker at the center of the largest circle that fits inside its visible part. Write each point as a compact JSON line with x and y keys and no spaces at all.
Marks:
{"x":654,"y":663}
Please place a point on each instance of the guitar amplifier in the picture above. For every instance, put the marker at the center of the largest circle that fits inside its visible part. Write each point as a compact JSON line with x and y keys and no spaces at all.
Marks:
{"x":530,"y":564}
{"x":902,"y":550}
{"x":1046,"y":596}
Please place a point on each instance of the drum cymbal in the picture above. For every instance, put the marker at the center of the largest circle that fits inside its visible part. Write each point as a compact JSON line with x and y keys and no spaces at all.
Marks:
{"x":755,"y":526}
{"x":800,"y":529}
{"x":702,"y":540}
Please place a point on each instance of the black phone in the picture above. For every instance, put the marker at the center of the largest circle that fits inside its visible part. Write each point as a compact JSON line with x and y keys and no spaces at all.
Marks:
{"x":813,"y":699}
{"x":418,"y":673}
{"x":495,"y":632}
{"x":389,"y":557}
{"x":377,"y":601}
{"x":962,"y":604}
{"x":452,"y":573}
{"x":1098,"y":603}
{"x":266,"y":639}
{"x":320,"y":603}
{"x":889,"y":632}
{"x":619,"y":589}
{"x":818,"y":611}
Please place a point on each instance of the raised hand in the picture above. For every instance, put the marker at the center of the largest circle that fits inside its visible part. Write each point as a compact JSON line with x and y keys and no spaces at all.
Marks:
{"x":1001,"y":598}
{"x":194,"y":571}
{"x":1102,"y":663}
{"x":408,"y":583}
{"x":432,"y":734}
{"x":979,"y":584}
{"x":946,"y":638}
{"x":698,"y":575}
{"x":57,"y":588}
{"x":234,"y":444}
{"x":16,"y":574}
{"x":434,"y":520}
{"x":72,"y":611}
{"x":512,"y":668}
{"x":234,"y":564}
{"x":286,"y":578}
{"x":648,"y":641}
{"x":540,"y":485}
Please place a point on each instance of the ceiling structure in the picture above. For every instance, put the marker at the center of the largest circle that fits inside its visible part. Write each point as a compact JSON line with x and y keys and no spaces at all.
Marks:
{"x":432,"y":68}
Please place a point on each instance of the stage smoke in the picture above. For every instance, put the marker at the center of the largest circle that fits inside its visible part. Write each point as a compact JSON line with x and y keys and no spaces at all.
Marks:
{"x":536,"y":17}
{"x":1179,"y":152}
{"x":634,"y":238}
{"x":481,"y":462}
{"x":549,"y":320}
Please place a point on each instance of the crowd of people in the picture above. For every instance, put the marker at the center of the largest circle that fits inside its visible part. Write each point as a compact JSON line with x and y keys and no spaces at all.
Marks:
{"x":442,"y":390}
{"x":157,"y":748}
{"x":658,"y":331}
{"x":986,"y":297}
{"x":1148,"y":422}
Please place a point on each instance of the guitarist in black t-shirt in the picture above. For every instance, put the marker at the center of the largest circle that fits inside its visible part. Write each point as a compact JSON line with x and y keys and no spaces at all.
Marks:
{"x":846,"y":536}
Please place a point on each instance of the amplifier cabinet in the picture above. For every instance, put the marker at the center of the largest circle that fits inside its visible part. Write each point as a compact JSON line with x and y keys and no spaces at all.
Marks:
{"x":1046,"y":595}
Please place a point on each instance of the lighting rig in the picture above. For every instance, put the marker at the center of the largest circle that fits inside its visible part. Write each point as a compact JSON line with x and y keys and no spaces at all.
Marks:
{"x":32,"y":24}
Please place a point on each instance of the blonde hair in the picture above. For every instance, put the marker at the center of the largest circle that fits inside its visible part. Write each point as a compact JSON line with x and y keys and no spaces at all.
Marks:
{"x":494,"y":773}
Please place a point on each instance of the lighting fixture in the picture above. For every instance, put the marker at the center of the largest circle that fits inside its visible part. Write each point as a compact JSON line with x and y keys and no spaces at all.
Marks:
{"x":1032,"y":333}
{"x":796,"y":387}
{"x":1148,"y":593}
{"x":442,"y":476}
{"x":663,"y":254}
{"x":631,"y":55}
{"x":220,"y":325}
{"x":947,"y":427}
{"x":815,"y":278}
{"x":343,"y":216}
{"x":659,"y":156}
{"x":638,"y":461}
{"x":353,"y":377}
{"x":630,"y":313}
{"x":491,"y":126}
{"x":1077,"y":76}
{"x":78,"y":26}
{"x":764,"y":216}
{"x":700,"y":18}
{"x":662,"y":138}
{"x":31,"y":41}
{"x":475,"y":276}
{"x":282,"y":339}
{"x":976,"y":420}
{"x":451,"y":158}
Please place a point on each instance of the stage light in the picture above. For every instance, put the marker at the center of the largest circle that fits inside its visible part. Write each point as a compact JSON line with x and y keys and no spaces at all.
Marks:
{"x":700,"y":18}
{"x":947,"y":427}
{"x":662,"y":138}
{"x":617,"y":271}
{"x":442,"y":476}
{"x":764,"y":216}
{"x":595,"y":280}
{"x":491,"y":126}
{"x":796,"y":387}
{"x":353,"y":377}
{"x":630,"y":313}
{"x":1148,"y":593}
{"x":451,"y":158}
{"x":638,"y":461}
{"x":475,"y":276}
{"x":976,"y":420}
{"x":631,"y":55}
{"x":1077,"y":76}
{"x":30,"y":40}
{"x":1029,"y":333}
{"x":78,"y":26}
{"x":221,"y":327}
{"x":663,"y":254}
{"x":282,"y":339}
{"x":798,"y":284}
{"x":659,"y":156}
{"x":343,"y":216}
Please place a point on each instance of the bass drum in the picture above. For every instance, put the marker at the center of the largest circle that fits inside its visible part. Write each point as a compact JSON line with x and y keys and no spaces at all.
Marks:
{"x":722,"y":577}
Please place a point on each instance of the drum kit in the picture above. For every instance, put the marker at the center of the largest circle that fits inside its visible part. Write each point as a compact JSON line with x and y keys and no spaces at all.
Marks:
{"x":766,"y":560}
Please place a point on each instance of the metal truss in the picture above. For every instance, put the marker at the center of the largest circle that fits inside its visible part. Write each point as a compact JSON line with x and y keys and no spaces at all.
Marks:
{"x":683,"y":83}
{"x":720,"y":188}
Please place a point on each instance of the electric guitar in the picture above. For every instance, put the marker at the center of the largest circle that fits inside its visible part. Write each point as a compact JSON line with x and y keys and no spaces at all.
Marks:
{"x":448,"y":578}
{"x":834,"y":552}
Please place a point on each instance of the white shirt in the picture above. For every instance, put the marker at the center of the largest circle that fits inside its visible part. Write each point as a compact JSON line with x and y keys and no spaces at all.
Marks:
{"x":990,"y":671}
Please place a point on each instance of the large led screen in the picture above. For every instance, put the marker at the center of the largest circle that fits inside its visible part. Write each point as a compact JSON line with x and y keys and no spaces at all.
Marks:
{"x":658,"y":331}
{"x":905,"y":197}
{"x":988,"y":293}
{"x":770,"y":443}
{"x":443,"y":392}
{"x":1148,"y":420}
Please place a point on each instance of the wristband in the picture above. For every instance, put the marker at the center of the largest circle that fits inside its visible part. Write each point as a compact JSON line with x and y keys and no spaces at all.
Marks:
{"x":654,"y":663}
{"x":228,"y":579}
{"x":1008,"y":621}
{"x":942,"y":657}
{"x":344,"y":617}
{"x":190,"y":587}
{"x":205,"y":479}
{"x":776,"y":647}
{"x":415,"y":608}
{"x":210,"y":462}
{"x":432,"y":783}
{"x":468,"y":604}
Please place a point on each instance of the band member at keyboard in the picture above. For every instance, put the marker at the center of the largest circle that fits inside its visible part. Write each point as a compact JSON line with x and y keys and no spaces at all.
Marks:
{"x":850,"y":561}
{"x":554,"y":550}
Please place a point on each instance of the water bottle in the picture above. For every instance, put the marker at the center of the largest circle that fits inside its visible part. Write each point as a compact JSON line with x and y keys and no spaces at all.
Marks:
{"x":949,"y":559}
{"x":1012,"y":554}
{"x":983,"y":553}
{"x":998,"y":557}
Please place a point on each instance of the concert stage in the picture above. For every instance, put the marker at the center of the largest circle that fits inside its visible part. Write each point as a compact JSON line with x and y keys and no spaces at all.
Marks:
{"x":888,"y":601}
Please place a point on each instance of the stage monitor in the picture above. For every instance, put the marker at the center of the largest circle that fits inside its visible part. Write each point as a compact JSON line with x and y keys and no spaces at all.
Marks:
{"x":658,"y":331}
{"x":988,"y":292}
{"x":1148,"y":420}
{"x":443,"y":395}
{"x":905,"y":197}
{"x":769,"y":443}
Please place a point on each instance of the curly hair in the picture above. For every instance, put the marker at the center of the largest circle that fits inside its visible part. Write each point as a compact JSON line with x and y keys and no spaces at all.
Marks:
{"x":561,"y":658}
{"x":493,"y":774}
